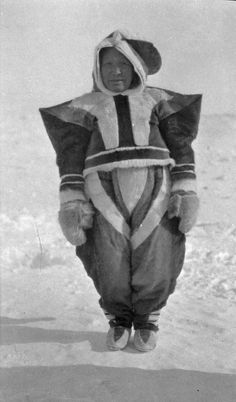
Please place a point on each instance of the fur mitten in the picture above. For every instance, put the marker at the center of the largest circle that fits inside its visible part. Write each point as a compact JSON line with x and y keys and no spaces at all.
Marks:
{"x":74,"y":217}
{"x":184,"y":205}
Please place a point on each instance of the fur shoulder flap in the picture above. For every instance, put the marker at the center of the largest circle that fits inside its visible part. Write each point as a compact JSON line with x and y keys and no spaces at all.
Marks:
{"x":170,"y":102}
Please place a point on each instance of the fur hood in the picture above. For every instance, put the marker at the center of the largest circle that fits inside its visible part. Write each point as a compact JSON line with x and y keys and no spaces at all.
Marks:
{"x":144,"y":57}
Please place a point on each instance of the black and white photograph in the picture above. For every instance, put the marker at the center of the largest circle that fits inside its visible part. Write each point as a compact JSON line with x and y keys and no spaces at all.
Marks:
{"x":118,"y":201}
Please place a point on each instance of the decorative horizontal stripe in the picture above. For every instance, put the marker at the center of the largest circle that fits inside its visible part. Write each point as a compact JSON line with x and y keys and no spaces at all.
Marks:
{"x":184,"y":164}
{"x":74,"y":183}
{"x":183,"y":168}
{"x":183,"y":171}
{"x":65,"y":181}
{"x":155,"y":322}
{"x":105,"y":205}
{"x":126,"y":149}
{"x":71,"y":182}
{"x":129,"y":163}
{"x":108,"y":315}
{"x":135,"y":153}
{"x":154,"y":316}
{"x":183,"y":175}
{"x":155,"y":213}
{"x":71,"y":175}
{"x":72,"y":179}
{"x":156,"y":312}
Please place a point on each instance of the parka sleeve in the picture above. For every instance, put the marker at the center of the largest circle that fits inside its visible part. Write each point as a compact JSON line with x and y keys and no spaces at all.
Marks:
{"x":178,"y":123}
{"x":70,"y":137}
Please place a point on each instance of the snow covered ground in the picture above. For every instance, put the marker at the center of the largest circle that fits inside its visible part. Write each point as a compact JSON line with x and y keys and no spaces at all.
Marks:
{"x":52,"y":330}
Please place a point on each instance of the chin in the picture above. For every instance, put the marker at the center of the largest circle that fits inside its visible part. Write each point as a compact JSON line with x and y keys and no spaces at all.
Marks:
{"x":118,"y":88}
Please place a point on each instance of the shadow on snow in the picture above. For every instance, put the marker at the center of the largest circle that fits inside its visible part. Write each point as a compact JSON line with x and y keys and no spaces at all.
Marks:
{"x":107,"y":384}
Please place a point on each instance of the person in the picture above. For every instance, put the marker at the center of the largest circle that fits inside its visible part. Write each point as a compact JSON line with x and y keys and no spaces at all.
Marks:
{"x":128,"y":184}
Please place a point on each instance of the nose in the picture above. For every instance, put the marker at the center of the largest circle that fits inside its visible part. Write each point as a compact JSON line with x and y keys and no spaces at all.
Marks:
{"x":117,"y":70}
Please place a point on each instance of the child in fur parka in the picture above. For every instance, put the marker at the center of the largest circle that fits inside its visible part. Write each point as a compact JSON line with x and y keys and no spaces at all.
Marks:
{"x":128,"y":184}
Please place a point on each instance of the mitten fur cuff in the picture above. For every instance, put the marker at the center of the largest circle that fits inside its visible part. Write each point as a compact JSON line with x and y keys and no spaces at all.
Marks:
{"x":71,"y":195}
{"x":184,"y":185}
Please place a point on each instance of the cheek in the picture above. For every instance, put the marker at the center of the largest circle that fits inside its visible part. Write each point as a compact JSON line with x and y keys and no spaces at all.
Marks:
{"x":104,"y":74}
{"x":130,"y":75}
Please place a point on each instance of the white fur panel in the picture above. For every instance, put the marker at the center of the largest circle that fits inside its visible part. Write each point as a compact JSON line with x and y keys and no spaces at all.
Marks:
{"x":132,"y":182}
{"x":140,"y":110}
{"x":105,"y":205}
{"x":155,"y":213}
{"x":103,"y":108}
{"x":108,"y":123}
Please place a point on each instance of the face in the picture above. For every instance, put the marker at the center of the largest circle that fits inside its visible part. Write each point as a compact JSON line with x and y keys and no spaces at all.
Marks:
{"x":116,"y":70}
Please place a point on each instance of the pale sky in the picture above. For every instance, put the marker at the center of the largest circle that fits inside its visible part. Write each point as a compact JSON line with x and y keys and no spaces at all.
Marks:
{"x":47,"y":47}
